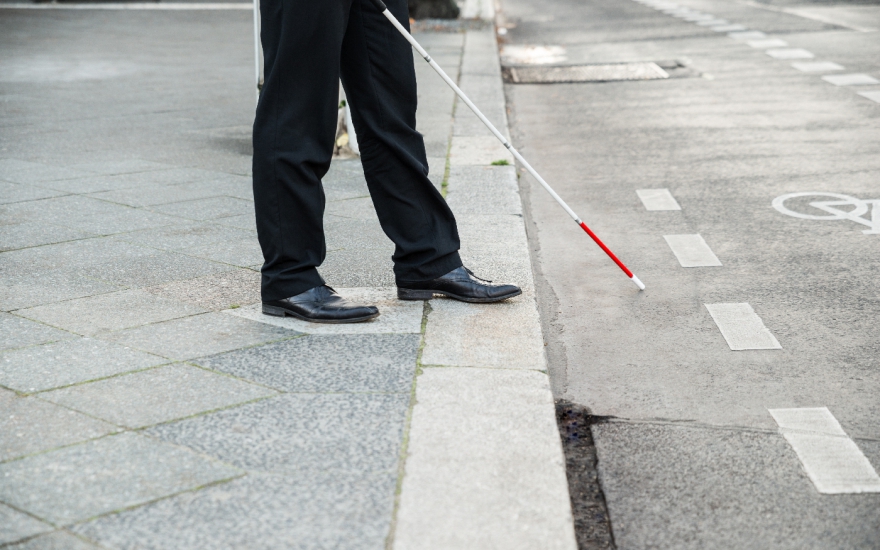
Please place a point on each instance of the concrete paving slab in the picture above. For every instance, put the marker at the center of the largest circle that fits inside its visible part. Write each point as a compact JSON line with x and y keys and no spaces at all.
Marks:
{"x":482,"y":151}
{"x":68,"y":362}
{"x":374,"y":267}
{"x":59,"y":540}
{"x":156,"y":395}
{"x":741,"y":327}
{"x":199,"y":335}
{"x":207,"y":209}
{"x":341,"y":363}
{"x":80,"y":482}
{"x":817,"y":66}
{"x":53,"y":285}
{"x":154,"y":178}
{"x":216,"y":292}
{"x":855,"y":79}
{"x":294,"y":433}
{"x":29,"y":426}
{"x":26,"y":172}
{"x":505,"y":335}
{"x":16,"y":332}
{"x":313,"y":510}
{"x":25,"y":235}
{"x":91,"y":215}
{"x":483,"y":190}
{"x":396,"y":316}
{"x":121,"y":166}
{"x":15,"y":525}
{"x":17,"y":192}
{"x":789,"y":53}
{"x":158,"y":195}
{"x":244,"y":221}
{"x":182,"y":235}
{"x":485,"y":466}
{"x":153,"y":269}
{"x":109,"y":312}
{"x":242,"y":250}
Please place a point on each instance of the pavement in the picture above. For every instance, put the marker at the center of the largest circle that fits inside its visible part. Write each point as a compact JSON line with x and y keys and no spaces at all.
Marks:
{"x":757,"y":311}
{"x":146,"y":401}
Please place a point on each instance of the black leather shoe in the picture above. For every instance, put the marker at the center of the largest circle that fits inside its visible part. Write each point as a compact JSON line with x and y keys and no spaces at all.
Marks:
{"x":460,"y":284}
{"x":320,"y":305}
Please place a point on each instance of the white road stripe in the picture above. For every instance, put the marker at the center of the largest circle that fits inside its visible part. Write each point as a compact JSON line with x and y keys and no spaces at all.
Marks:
{"x":817,"y":66}
{"x":790,"y":53}
{"x":728,"y":28}
{"x":769,"y":43}
{"x":747,"y":35}
{"x":873,"y":96}
{"x":658,"y":199}
{"x":856,"y":79}
{"x":692,"y":251}
{"x":157,"y":6}
{"x":832,"y":460}
{"x":741,"y":327}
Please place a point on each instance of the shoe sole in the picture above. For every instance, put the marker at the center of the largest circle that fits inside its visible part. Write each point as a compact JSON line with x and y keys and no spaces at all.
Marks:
{"x":410,"y":294}
{"x":281,"y":312}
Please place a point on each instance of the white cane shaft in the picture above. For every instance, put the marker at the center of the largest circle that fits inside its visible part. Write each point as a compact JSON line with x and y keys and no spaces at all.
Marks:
{"x":257,"y":47}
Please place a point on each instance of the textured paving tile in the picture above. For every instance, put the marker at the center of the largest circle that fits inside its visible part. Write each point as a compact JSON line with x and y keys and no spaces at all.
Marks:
{"x":153,"y":269}
{"x":125,"y":166}
{"x":300,"y":433}
{"x":199,"y":336}
{"x":96,"y":477}
{"x":483,"y":190}
{"x":182,"y":235}
{"x":483,"y":150}
{"x":234,"y":287}
{"x":53,"y":285}
{"x":109,"y":312}
{"x":16,"y":332}
{"x":156,"y":395}
{"x":68,"y":362}
{"x":23,"y":235}
{"x":91,"y":215}
{"x":317,"y":510}
{"x":396,"y":316}
{"x":21,"y":171}
{"x":154,"y":178}
{"x":353,"y":363}
{"x":15,"y":526}
{"x":242,"y":249}
{"x":156,"y":195}
{"x":59,"y":540}
{"x":503,"y":335}
{"x":29,"y":425}
{"x":207,"y":209}
{"x":17,"y":192}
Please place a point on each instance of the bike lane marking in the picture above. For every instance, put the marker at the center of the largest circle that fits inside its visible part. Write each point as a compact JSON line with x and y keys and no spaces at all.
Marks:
{"x":741,"y":327}
{"x":833,"y":461}
{"x":855,"y":79}
{"x":658,"y":199}
{"x":692,"y":251}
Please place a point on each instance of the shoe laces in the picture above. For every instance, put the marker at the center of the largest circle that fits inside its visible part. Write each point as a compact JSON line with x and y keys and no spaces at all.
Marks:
{"x":472,"y":274}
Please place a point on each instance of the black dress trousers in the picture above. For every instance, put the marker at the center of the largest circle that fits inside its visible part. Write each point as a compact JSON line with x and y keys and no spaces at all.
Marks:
{"x":308,"y":45}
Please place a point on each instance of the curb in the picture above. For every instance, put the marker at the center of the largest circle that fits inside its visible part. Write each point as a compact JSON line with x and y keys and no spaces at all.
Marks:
{"x":484,"y":465}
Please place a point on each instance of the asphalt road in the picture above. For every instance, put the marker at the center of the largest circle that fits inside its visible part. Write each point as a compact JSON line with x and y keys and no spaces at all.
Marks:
{"x":690,"y":456}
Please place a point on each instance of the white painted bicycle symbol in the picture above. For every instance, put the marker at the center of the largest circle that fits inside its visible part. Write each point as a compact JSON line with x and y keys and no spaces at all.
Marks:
{"x":840,"y":207}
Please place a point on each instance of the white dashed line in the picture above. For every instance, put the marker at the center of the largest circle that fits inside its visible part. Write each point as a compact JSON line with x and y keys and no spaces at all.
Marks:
{"x":833,"y":461}
{"x":713,"y":23}
{"x":658,"y":199}
{"x":769,"y":43}
{"x":741,"y":327}
{"x":728,"y":28}
{"x":856,"y":79}
{"x":790,"y":53}
{"x":747,"y":35}
{"x":817,"y":66}
{"x":692,"y":251}
{"x":873,"y":96}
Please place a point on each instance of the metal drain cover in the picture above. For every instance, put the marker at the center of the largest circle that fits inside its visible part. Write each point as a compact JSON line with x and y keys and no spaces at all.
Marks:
{"x":585,"y":73}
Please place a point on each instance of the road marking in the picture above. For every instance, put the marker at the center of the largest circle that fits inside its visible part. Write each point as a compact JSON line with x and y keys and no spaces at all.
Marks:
{"x":853,"y":209}
{"x":741,"y":327}
{"x":728,"y":28}
{"x":833,"y":461}
{"x":873,"y":96}
{"x":713,"y":23}
{"x":816,"y":66}
{"x":790,"y":53}
{"x":855,"y":79}
{"x":658,"y":199}
{"x":131,"y":6}
{"x":769,"y":43}
{"x":747,"y":35}
{"x":692,"y":251}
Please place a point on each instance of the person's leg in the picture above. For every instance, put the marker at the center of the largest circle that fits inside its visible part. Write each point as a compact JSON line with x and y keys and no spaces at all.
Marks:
{"x":380,"y":84}
{"x":293,"y":138}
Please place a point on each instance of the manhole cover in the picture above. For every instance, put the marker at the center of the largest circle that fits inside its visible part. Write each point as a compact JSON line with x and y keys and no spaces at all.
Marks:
{"x":585,"y":73}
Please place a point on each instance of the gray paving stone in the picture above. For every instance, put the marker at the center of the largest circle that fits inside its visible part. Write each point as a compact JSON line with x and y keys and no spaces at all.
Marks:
{"x":29,"y":425}
{"x":15,"y":526}
{"x":125,"y":166}
{"x":153,"y":269}
{"x":479,"y":151}
{"x":156,"y":395}
{"x":235,"y":287}
{"x":95,"y":184}
{"x":88,"y":214}
{"x":242,"y":249}
{"x":207,"y":209}
{"x":58,"y":540}
{"x":359,"y":267}
{"x":339,"y":363}
{"x":17,"y":192}
{"x":183,"y":235}
{"x":109,"y":312}
{"x":345,"y":180}
{"x":300,"y":433}
{"x":157,"y":195}
{"x":21,"y":171}
{"x":23,"y":235}
{"x":32,"y":289}
{"x":259,"y":512}
{"x":357,"y":209}
{"x":68,"y":362}
{"x":245,"y":221}
{"x":103,"y":475}
{"x":483,"y":190}
{"x":16,"y":332}
{"x":199,"y":335}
